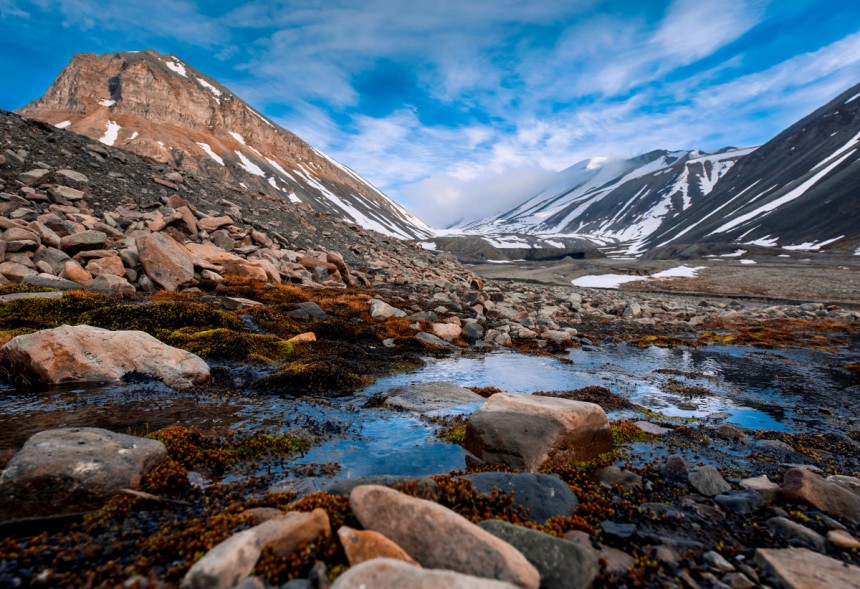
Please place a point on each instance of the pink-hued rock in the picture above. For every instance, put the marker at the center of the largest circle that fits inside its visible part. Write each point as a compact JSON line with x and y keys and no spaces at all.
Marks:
{"x":81,"y":353}
{"x":362,"y":545}
{"x":165,"y":260}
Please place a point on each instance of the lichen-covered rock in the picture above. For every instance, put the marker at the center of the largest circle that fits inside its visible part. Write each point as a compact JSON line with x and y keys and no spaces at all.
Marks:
{"x":81,"y":353}
{"x":524,"y":432}
{"x":74,"y":469}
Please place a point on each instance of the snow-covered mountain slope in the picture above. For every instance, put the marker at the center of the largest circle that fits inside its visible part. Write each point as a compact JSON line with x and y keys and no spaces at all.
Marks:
{"x":160,"y":107}
{"x":801,"y":190}
{"x":622,"y":202}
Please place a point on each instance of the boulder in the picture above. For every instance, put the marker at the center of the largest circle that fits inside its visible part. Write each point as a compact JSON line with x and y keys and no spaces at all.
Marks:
{"x":165,"y":260}
{"x":73,"y":470}
{"x":430,"y":396}
{"x":362,"y":545}
{"x":801,"y":484}
{"x":544,"y":495}
{"x":708,"y":481}
{"x":295,"y":530}
{"x":561,"y":564}
{"x":525,"y":432}
{"x":81,"y":353}
{"x":795,"y":533}
{"x":388,"y":573}
{"x":447,"y":331}
{"x":801,"y":568}
{"x":437,"y":537}
{"x":16,"y":272}
{"x":73,"y":271}
{"x":83,"y":240}
{"x":110,"y":284}
{"x":762,"y":485}
{"x":210,"y":224}
{"x":107,"y":265}
{"x":50,"y":281}
{"x":381,"y":310}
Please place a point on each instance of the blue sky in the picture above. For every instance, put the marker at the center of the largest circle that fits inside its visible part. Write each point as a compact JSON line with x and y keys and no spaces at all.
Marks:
{"x":457,"y":107}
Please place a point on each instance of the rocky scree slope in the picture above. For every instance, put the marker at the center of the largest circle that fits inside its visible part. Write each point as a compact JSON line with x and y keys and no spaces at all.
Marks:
{"x":99,"y":216}
{"x":160,"y":107}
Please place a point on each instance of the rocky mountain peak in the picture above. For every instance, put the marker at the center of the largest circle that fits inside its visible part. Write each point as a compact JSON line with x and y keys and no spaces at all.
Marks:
{"x":160,"y":107}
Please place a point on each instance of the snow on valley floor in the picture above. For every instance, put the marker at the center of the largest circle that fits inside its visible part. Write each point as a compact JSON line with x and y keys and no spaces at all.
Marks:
{"x":616,"y":280}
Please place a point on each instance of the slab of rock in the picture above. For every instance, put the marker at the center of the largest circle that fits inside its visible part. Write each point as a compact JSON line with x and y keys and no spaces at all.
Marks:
{"x":846,"y":482}
{"x":107,"y":265}
{"x":16,"y":272}
{"x":544,"y":495}
{"x":801,"y":484}
{"x":165,"y":260}
{"x":524,"y":432}
{"x":381,"y":310}
{"x":231,"y":561}
{"x":426,"y":485}
{"x":387,"y":573}
{"x":73,"y":176}
{"x":110,"y":284}
{"x":84,"y":240}
{"x":362,"y":545}
{"x":432,"y":340}
{"x":210,"y":224}
{"x":561,"y":564}
{"x":708,"y":481}
{"x":50,"y":281}
{"x":430,"y":396}
{"x":842,"y":539}
{"x":437,"y":537}
{"x":74,"y":469}
{"x":741,"y":502}
{"x":762,"y":485}
{"x":81,"y":353}
{"x":801,"y":568}
{"x":795,"y":533}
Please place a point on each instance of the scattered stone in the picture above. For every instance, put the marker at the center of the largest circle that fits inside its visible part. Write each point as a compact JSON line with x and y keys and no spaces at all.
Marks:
{"x":561,"y":564}
{"x":430,"y":396}
{"x":73,"y":470}
{"x":73,"y":176}
{"x":795,"y":533}
{"x":675,"y":469}
{"x":308,"y":336}
{"x":740,"y":502}
{"x":762,"y":485}
{"x":388,"y":573}
{"x":848,"y":483}
{"x":801,"y":484}
{"x":524,"y":432}
{"x":543,"y":495}
{"x":81,"y":354}
{"x":708,"y":481}
{"x":619,"y":531}
{"x":842,"y":539}
{"x":284,"y":535}
{"x":84,"y":240}
{"x":717,"y":561}
{"x":437,"y":537}
{"x":362,"y":545}
{"x":381,"y":310}
{"x":447,"y":331}
{"x":165,"y":260}
{"x":110,"y":284}
{"x":49,"y":281}
{"x":652,"y":428}
{"x":225,"y":565}
{"x":426,"y":486}
{"x":610,"y":476}
{"x":800,"y":568}
{"x":309,"y":310}
{"x":432,"y":340}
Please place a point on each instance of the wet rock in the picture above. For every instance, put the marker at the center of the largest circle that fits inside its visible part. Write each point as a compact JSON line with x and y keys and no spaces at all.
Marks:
{"x":430,"y":396}
{"x":380,"y":310}
{"x":762,"y":485}
{"x":740,"y":502}
{"x":800,"y":568}
{"x":81,"y":353}
{"x":386,"y":573}
{"x":561,"y":564}
{"x":795,"y":533}
{"x":708,"y":481}
{"x":426,"y":485}
{"x":801,"y":484}
{"x":437,"y":537}
{"x":72,"y":470}
{"x":165,"y":260}
{"x":362,"y":545}
{"x":544,"y":495}
{"x":472,"y":330}
{"x":524,"y":432}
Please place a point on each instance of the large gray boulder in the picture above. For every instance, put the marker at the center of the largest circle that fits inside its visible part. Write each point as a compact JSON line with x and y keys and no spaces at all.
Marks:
{"x":525,"y":432}
{"x":73,"y":470}
{"x":82,"y":353}
{"x":437,"y":537}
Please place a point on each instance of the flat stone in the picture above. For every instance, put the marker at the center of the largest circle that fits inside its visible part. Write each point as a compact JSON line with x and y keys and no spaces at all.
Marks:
{"x":32,"y":177}
{"x":16,"y":272}
{"x":800,"y":568}
{"x":66,"y":193}
{"x":846,"y":482}
{"x":380,"y":310}
{"x":430,"y":396}
{"x":708,"y":481}
{"x":432,"y":340}
{"x":73,"y":176}
{"x":543,"y":495}
{"x":388,"y":573}
{"x":30,"y":295}
{"x":73,"y":470}
{"x":652,"y":428}
{"x":343,"y":488}
{"x":561,"y":564}
{"x":842,"y":539}
{"x":740,"y":502}
{"x":762,"y":485}
{"x":795,"y":533}
{"x":525,"y":432}
{"x":110,"y":284}
{"x":610,"y":476}
{"x":210,"y":224}
{"x":804,"y":485}
{"x":50,"y":281}
{"x":363,"y":545}
{"x":85,"y":354}
{"x":437,"y":537}
{"x":165,"y":260}
{"x":85,"y":240}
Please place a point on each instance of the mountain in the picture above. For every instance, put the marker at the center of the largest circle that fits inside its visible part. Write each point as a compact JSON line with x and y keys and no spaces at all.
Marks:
{"x":801,"y":190}
{"x":615,"y":203}
{"x":160,"y":107}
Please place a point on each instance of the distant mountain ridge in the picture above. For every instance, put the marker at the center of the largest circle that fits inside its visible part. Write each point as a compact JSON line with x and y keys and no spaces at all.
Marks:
{"x":160,"y":107}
